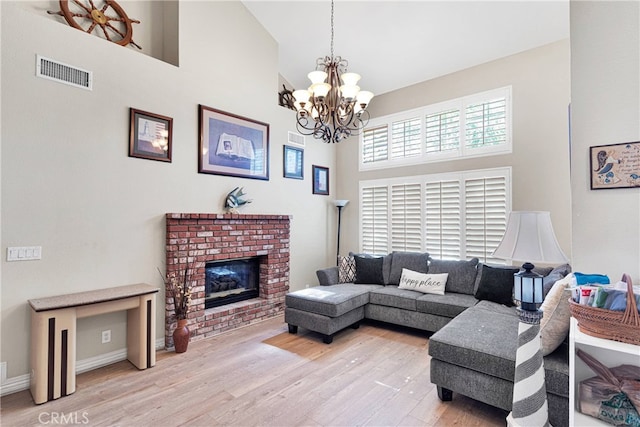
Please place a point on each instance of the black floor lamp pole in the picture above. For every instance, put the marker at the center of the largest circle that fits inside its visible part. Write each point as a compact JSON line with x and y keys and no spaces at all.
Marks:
{"x":339,"y":204}
{"x":339,"y":218}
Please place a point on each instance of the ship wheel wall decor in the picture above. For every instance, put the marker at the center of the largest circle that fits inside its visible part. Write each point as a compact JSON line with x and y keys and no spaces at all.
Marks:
{"x":86,"y":16}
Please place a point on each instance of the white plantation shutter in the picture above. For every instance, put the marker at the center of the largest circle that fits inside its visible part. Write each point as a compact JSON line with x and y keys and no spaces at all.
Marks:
{"x":486,"y":123}
{"x":470,"y":126}
{"x":442,"y":131}
{"x":406,"y":217}
{"x":442,"y":219}
{"x":375,"y":144}
{"x":457,"y":215}
{"x":485,"y":216}
{"x":405,"y":138}
{"x":374,"y":219}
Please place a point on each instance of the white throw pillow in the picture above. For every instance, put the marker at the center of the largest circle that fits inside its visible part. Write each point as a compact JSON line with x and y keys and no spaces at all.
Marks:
{"x":423,"y":282}
{"x":555,"y":316}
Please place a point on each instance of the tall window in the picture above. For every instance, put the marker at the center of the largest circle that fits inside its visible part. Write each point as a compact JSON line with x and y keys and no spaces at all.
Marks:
{"x":451,"y":216}
{"x":475,"y":125}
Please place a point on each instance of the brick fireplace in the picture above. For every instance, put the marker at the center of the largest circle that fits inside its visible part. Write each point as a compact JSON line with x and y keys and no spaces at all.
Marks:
{"x":201,"y":238}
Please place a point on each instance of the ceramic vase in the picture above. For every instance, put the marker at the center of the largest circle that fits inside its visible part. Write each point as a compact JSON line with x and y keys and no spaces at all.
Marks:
{"x":181,"y":336}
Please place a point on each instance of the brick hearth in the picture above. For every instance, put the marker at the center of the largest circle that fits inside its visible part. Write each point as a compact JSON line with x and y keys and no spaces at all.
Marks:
{"x":214,"y":237}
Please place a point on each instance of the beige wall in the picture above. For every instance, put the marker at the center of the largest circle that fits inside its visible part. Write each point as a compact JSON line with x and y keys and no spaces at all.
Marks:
{"x":605,"y":109}
{"x":69,"y":186}
{"x":540,"y":158}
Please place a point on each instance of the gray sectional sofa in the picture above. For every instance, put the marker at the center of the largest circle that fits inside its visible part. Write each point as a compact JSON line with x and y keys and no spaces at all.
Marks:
{"x":474,"y":339}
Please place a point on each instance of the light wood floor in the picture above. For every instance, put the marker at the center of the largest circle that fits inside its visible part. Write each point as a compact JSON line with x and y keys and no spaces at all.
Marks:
{"x":377,"y":375}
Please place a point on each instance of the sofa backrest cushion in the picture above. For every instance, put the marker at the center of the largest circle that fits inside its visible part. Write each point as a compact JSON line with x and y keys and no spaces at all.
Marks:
{"x":496,"y":284}
{"x":414,"y":261}
{"x":556,"y":274}
{"x":369,"y":270}
{"x":462,"y":274}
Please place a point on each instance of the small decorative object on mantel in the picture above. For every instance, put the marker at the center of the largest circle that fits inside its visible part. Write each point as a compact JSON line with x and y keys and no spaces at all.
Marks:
{"x":85,"y":16}
{"x":178,"y":286}
{"x":234,"y":200}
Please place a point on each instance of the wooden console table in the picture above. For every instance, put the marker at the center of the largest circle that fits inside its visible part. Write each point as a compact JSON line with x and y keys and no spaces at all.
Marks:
{"x":53,"y":334}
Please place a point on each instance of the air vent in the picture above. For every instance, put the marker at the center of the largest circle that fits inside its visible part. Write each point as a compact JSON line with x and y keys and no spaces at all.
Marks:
{"x":63,"y":73}
{"x":296,"y":138}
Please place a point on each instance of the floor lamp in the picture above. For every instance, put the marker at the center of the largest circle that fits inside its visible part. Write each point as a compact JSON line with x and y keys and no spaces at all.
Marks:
{"x":529,"y":237}
{"x":339,"y":204}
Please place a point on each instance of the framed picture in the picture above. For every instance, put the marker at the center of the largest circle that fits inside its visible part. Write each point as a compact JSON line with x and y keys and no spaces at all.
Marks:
{"x":232,"y":145}
{"x":293,"y":162}
{"x":615,"y":166}
{"x":150,"y":136}
{"x":320,"y":180}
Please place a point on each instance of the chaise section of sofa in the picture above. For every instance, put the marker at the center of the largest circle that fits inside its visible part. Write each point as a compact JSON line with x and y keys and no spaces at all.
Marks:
{"x":474,"y":355}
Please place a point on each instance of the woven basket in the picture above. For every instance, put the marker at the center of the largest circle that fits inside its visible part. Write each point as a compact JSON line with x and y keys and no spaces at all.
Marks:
{"x":623,"y":326}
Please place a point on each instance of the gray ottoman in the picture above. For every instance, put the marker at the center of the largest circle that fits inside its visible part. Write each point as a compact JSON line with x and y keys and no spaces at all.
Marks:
{"x":327,"y":309}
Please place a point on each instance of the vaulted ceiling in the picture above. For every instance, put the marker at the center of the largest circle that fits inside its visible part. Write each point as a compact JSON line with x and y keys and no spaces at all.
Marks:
{"x":394,"y":44}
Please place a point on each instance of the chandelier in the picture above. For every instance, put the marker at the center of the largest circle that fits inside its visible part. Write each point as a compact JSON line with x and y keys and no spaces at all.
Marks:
{"x":334,"y":107}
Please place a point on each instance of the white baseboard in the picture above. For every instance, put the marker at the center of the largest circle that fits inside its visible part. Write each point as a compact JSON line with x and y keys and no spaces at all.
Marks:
{"x":23,"y":382}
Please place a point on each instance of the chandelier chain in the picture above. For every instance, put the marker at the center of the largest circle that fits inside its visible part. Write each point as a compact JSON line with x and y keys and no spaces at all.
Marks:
{"x":332,"y":29}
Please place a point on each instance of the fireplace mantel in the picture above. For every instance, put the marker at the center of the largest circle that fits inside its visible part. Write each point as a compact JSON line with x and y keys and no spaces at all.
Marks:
{"x":202,"y":237}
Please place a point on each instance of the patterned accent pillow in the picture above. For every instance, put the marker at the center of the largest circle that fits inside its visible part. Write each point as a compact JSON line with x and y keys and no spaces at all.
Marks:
{"x":346,"y":269}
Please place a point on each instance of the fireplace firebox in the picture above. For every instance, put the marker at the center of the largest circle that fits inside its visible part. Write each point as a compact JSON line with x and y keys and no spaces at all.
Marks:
{"x":231,"y":281}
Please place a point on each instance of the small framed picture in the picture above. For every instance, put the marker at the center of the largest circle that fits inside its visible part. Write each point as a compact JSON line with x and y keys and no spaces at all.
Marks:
{"x":232,"y":145}
{"x":150,"y":136}
{"x":293,"y":162}
{"x":615,"y":166}
{"x":320,"y":180}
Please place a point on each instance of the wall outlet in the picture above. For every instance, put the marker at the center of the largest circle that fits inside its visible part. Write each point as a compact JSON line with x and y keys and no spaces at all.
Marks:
{"x":106,"y":336}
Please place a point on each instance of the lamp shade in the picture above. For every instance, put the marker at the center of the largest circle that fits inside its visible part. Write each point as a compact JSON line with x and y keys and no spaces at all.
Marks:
{"x":530,"y":237}
{"x":340,"y":203}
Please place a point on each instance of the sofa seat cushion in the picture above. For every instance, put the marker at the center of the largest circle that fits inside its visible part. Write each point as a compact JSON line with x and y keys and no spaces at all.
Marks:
{"x":484,"y":338}
{"x":449,"y":305}
{"x":392,"y":296}
{"x":332,"y":301}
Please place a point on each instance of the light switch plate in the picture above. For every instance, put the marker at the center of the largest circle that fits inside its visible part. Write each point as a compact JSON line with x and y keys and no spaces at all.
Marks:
{"x":24,"y":253}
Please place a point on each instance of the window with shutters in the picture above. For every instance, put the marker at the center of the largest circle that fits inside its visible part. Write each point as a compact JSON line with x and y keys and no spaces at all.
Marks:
{"x":472,"y":126}
{"x":452,"y":216}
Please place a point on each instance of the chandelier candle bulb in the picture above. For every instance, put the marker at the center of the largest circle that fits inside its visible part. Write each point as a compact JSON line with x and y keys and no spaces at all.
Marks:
{"x":350,"y":79}
{"x":364,"y":97}
{"x":320,"y":90}
{"x":349,"y":92}
{"x":317,"y":77}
